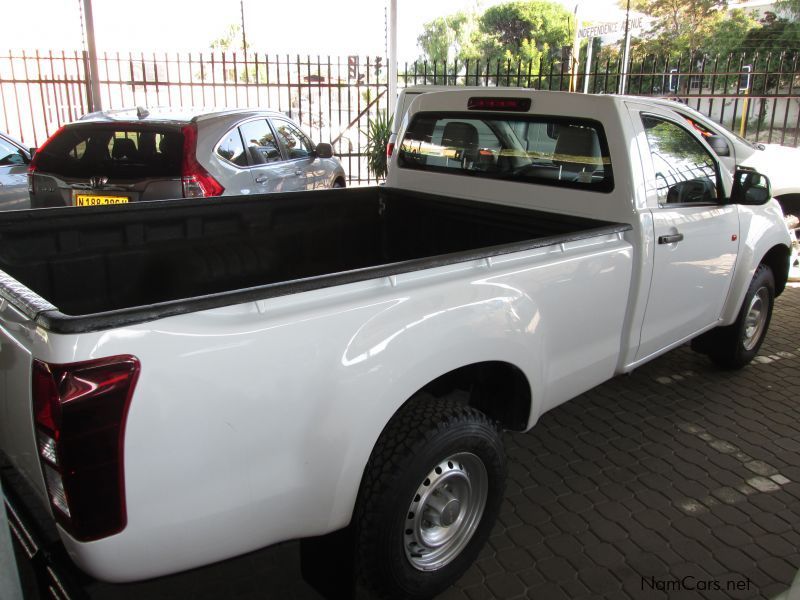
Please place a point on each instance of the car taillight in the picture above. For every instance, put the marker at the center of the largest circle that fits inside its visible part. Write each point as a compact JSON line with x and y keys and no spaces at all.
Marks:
{"x":197,"y":182}
{"x":79,"y":413}
{"x":389,"y":149}
{"x":34,"y":164}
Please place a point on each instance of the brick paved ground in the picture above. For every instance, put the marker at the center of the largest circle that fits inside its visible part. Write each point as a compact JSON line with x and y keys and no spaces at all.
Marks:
{"x":677,"y":473}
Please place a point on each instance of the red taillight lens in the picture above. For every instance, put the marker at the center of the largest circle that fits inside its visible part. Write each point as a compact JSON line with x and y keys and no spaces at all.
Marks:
{"x":34,"y":164}
{"x":197,"y":182}
{"x":509,"y":104}
{"x":80,"y":411}
{"x":389,"y":149}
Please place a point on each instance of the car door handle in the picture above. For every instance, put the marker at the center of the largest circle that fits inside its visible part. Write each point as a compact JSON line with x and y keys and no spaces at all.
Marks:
{"x":670,"y":239}
{"x":298,"y":172}
{"x":262,"y":179}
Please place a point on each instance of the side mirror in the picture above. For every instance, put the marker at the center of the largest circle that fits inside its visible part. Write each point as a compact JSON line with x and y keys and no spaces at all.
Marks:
{"x":719,"y":145}
{"x":750,"y":187}
{"x":324,"y":150}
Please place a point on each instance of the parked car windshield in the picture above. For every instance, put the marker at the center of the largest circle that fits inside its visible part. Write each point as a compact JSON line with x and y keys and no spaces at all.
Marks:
{"x":120,"y":151}
{"x":548,"y":150}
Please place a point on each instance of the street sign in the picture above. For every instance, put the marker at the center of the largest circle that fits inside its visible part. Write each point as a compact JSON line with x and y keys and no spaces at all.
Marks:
{"x":610,"y":28}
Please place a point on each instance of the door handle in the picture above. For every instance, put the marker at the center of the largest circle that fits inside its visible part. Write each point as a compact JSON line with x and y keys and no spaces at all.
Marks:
{"x":261,"y":179}
{"x":670,"y":239}
{"x":298,"y":173}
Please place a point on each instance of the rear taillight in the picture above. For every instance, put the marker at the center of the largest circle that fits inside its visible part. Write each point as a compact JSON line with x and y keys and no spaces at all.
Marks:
{"x":197,"y":182}
{"x":389,"y":149}
{"x":34,"y":164}
{"x":79,"y":413}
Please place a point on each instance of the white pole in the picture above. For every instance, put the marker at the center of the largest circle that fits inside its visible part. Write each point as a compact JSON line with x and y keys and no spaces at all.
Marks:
{"x":588,"y":65}
{"x":623,"y":82}
{"x":94,"y":71}
{"x":392,"y":58}
{"x":576,"y":52}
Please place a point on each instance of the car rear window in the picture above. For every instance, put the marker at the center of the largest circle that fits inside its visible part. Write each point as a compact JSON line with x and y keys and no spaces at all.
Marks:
{"x":119,"y":151}
{"x":549,"y":150}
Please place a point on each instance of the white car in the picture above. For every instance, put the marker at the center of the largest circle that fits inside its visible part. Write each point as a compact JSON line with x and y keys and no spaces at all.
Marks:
{"x":116,"y":157}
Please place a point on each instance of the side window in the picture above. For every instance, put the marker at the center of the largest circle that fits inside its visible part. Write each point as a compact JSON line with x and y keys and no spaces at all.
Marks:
{"x":231,"y":148}
{"x":259,"y":142}
{"x":685,"y":172}
{"x":296,"y":143}
{"x":10,"y":155}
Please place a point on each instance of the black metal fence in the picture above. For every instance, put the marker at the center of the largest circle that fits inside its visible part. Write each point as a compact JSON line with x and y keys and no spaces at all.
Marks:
{"x":757,"y":95}
{"x":334,"y":98}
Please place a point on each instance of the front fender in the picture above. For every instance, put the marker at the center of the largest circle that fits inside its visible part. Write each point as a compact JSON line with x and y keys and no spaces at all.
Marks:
{"x":761,"y":228}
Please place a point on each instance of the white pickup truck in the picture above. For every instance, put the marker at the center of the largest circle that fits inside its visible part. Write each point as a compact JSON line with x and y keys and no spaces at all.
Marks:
{"x":189,"y":381}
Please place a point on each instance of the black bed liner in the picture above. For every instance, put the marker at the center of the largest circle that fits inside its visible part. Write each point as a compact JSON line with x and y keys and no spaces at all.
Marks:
{"x":86,"y":269}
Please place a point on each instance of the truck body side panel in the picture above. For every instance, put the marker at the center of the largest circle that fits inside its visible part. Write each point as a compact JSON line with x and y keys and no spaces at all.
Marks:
{"x":252,"y":423}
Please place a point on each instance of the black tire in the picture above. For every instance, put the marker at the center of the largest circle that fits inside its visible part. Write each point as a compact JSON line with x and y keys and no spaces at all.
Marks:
{"x":338,"y":184}
{"x":424,"y":455}
{"x":734,"y":346}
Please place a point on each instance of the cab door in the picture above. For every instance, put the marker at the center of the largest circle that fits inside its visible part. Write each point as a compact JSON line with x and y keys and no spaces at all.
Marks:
{"x":695,"y":231}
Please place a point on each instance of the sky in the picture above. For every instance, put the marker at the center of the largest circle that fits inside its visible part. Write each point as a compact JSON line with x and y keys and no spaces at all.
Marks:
{"x":324,"y":27}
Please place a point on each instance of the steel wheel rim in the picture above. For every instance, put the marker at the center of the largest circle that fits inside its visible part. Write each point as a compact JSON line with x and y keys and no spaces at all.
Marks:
{"x":756,"y":320}
{"x":445,"y":511}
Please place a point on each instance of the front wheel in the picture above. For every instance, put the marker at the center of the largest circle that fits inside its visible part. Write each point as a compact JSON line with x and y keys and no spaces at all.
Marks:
{"x":431,"y":493}
{"x":734,"y":346}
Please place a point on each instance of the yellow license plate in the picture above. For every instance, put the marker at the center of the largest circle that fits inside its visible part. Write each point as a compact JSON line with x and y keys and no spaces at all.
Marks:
{"x":92,"y":200}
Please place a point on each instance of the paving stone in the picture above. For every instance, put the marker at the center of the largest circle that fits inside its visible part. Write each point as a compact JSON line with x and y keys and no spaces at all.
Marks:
{"x":599,"y":581}
{"x":505,"y":585}
{"x":771,"y":523}
{"x":778,"y":569}
{"x":514,"y":559}
{"x":564,"y":545}
{"x":556,"y":569}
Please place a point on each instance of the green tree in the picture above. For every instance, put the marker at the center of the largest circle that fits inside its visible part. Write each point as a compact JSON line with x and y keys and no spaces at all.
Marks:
{"x":230,"y":40}
{"x":679,"y":26}
{"x":525,"y":30}
{"x":517,"y":33}
{"x":727,"y":32}
{"x":447,"y":38}
{"x":791,"y":7}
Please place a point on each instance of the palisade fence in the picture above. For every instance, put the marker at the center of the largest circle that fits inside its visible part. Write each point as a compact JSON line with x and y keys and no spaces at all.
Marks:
{"x":334,"y":98}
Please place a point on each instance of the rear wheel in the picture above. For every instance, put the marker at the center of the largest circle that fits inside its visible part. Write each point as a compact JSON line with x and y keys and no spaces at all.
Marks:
{"x":430,"y":496}
{"x":734,"y":346}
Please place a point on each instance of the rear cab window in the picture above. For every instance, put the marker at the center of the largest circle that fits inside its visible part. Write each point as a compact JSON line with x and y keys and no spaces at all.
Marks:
{"x":555,"y":151}
{"x":116,"y":150}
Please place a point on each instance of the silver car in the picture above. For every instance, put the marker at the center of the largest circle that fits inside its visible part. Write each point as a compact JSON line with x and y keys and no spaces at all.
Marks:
{"x":126,"y":156}
{"x":14,"y":160}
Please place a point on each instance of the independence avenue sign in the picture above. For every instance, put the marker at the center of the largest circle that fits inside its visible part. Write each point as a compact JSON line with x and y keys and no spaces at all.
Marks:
{"x":612,"y":28}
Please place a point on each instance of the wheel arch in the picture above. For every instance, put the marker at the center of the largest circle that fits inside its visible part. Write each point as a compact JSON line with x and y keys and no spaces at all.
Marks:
{"x":481,"y":384}
{"x":777,"y":259}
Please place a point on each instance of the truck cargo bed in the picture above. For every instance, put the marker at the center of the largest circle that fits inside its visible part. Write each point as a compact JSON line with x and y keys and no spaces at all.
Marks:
{"x":93,"y":268}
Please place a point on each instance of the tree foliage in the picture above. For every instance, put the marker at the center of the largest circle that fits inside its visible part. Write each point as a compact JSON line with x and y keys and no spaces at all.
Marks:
{"x":519,"y":31}
{"x":708,"y":28}
{"x":791,"y":7}
{"x":678,"y":25}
